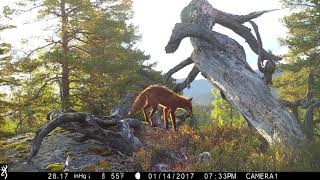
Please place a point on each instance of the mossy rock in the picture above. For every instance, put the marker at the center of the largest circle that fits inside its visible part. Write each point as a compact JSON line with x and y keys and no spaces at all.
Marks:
{"x":22,"y":156}
{"x":55,"y":167}
{"x":23,"y":148}
{"x":104,"y":165}
{"x":3,"y":146}
{"x":18,"y":146}
{"x":5,"y":160}
{"x":12,"y":145}
{"x":99,"y":151}
{"x":2,"y":143}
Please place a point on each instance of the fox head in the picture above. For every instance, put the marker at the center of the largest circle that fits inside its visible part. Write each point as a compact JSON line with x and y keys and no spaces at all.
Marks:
{"x":135,"y":107}
{"x":188,"y":106}
{"x":133,"y":110}
{"x":137,"y":104}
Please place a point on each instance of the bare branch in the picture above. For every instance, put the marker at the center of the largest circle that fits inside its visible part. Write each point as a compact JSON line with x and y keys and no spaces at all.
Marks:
{"x":70,"y":10}
{"x":186,"y":83}
{"x":56,"y":13}
{"x":183,"y":30}
{"x":294,"y":106}
{"x":259,"y":44}
{"x":79,"y":48}
{"x":178,"y":67}
{"x":30,"y":9}
{"x":78,"y":39}
{"x":19,"y":124}
{"x":42,"y":88}
{"x":252,"y":15}
{"x":39,"y":48}
{"x":291,"y":104}
{"x":235,"y":24}
{"x":47,"y":128}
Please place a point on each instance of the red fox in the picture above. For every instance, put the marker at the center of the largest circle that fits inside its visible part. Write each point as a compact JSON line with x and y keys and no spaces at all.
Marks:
{"x":155,"y":95}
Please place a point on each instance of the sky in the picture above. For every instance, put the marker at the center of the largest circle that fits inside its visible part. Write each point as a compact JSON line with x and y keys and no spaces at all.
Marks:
{"x":156,"y":19}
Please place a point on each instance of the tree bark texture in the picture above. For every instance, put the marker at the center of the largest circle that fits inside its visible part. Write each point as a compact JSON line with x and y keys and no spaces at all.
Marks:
{"x":223,"y":62}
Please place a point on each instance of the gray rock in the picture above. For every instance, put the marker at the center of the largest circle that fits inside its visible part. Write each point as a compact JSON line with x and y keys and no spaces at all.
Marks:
{"x":57,"y":147}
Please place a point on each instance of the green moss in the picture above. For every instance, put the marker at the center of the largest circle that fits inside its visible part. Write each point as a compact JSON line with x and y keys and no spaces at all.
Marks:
{"x":7,"y":129}
{"x":18,"y":146}
{"x":99,"y":151}
{"x":55,"y":167}
{"x":5,"y":160}
{"x":22,"y":155}
{"x":104,"y":165}
{"x":3,"y":142}
{"x":9,"y":146}
{"x":3,"y":148}
{"x":23,"y":148}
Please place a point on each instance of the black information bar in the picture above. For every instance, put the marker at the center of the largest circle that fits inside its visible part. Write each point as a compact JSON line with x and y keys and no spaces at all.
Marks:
{"x":158,"y":175}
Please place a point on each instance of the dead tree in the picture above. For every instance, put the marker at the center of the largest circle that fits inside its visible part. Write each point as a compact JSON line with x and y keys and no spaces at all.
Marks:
{"x":223,"y":62}
{"x":113,"y":131}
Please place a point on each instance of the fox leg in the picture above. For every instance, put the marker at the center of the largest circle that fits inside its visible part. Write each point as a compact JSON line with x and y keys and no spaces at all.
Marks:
{"x":144,"y":114}
{"x":173,"y":118}
{"x":144,"y":110}
{"x":154,"y":109}
{"x":165,"y":117}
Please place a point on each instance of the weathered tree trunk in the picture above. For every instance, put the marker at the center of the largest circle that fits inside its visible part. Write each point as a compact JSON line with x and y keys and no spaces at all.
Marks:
{"x":223,"y":62}
{"x":113,"y":131}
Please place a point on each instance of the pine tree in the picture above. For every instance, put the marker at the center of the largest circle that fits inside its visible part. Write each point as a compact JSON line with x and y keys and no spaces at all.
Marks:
{"x":7,"y":69}
{"x":300,"y":79}
{"x":87,"y":64}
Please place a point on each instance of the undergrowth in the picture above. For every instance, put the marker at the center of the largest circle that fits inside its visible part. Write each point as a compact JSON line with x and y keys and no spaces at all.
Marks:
{"x":232,"y":148}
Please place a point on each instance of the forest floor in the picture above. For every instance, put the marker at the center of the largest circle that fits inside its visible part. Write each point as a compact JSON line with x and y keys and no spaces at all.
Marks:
{"x":231,"y":149}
